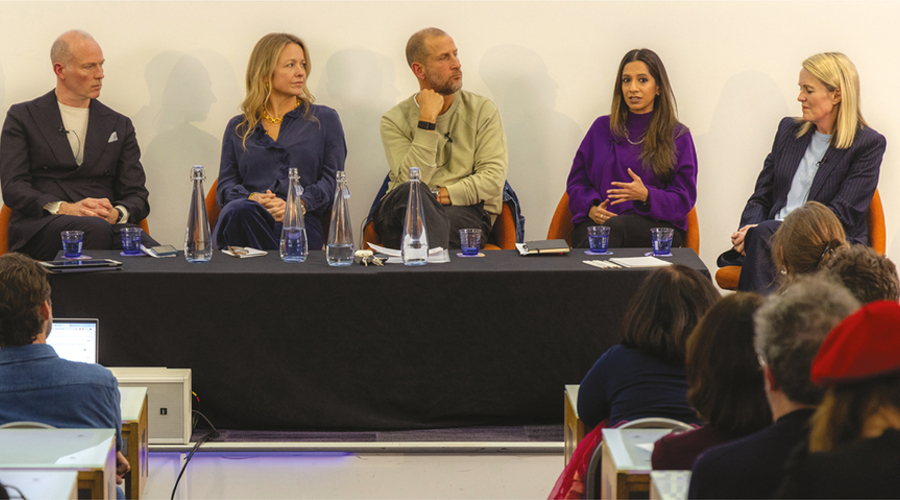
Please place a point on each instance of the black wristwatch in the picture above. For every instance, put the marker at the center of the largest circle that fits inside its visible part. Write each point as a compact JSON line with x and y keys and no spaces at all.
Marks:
{"x":121,"y":214}
{"x":427,"y":125}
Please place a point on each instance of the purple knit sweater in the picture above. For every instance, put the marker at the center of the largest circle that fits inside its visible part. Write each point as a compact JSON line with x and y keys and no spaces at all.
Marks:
{"x":602,"y":159}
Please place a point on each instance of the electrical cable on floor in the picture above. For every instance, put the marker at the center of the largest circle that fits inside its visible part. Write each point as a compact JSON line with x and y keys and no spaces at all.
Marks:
{"x":212,"y":434}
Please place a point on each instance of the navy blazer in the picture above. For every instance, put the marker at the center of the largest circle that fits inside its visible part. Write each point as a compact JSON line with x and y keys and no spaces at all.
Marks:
{"x":37,"y":165}
{"x":845,"y":182}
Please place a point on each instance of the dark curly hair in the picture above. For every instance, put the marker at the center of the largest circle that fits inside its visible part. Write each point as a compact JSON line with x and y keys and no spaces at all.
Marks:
{"x":23,"y":288}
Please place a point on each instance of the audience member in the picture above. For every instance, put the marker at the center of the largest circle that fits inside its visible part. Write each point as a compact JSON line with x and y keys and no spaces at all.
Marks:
{"x":725,"y":383}
{"x":644,"y":376}
{"x":854,"y":445}
{"x":829,"y":155}
{"x":37,"y":385}
{"x":636,"y":168}
{"x":68,"y":162}
{"x":279,"y":128}
{"x":456,"y":140}
{"x":806,"y":241}
{"x":790,"y":327}
{"x":868,"y":275}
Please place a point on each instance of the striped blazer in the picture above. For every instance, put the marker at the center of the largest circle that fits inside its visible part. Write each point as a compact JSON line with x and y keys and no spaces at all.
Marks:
{"x":845,"y":182}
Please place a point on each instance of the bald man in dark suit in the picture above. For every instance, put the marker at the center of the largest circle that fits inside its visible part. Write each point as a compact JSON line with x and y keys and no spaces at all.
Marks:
{"x":67,"y":162}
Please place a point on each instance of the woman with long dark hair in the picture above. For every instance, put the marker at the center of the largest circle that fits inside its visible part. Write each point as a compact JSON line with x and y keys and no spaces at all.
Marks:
{"x":636,"y":168}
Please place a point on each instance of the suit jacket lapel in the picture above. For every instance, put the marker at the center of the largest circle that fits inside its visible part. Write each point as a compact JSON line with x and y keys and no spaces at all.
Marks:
{"x":100,"y":127}
{"x":833,"y":157}
{"x":49,"y":122}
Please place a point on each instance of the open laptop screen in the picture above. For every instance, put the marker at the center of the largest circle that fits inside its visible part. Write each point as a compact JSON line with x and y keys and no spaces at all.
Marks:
{"x":75,"y":339}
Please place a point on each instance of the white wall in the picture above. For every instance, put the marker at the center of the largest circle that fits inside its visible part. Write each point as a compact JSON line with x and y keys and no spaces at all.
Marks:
{"x":177,"y":68}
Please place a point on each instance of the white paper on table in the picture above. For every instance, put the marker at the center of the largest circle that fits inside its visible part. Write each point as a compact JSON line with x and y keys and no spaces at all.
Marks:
{"x":646,"y":446}
{"x":251,"y":252}
{"x":640,"y":262}
{"x":436,"y":255}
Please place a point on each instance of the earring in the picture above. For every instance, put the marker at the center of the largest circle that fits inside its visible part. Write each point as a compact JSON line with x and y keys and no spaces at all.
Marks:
{"x":267,"y":87}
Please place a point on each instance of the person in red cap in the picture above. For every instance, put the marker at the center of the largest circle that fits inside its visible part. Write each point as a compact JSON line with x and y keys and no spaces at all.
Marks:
{"x":854,"y":443}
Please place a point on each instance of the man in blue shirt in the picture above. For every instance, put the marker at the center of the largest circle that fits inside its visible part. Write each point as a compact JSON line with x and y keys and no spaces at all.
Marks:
{"x":37,"y":385}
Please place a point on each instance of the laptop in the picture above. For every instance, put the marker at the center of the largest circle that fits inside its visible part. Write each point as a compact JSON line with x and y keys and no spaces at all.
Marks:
{"x":75,"y":339}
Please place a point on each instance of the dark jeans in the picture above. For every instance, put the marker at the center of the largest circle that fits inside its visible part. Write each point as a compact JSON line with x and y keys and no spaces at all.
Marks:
{"x":442,"y":223}
{"x":629,"y":230}
{"x":98,"y":235}
{"x":758,"y":273}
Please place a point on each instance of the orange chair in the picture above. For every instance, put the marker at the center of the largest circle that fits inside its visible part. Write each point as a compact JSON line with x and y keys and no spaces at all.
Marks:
{"x":6,"y":215}
{"x":727,"y":277}
{"x":561,"y":226}
{"x":503,"y":235}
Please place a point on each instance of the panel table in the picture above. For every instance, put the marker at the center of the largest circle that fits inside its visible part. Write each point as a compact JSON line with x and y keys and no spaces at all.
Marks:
{"x":135,"y":438}
{"x":276,"y":346}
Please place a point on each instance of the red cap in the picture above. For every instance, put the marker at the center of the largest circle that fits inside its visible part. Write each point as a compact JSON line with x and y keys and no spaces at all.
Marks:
{"x":865,"y":345}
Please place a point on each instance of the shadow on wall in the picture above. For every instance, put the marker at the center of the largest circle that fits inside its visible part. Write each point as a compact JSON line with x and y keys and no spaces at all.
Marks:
{"x":732,"y":151}
{"x":182,"y":94}
{"x":359,"y":85}
{"x":542,"y":141}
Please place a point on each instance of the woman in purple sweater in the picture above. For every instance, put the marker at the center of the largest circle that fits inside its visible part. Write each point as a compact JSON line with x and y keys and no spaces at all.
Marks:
{"x":636,"y":168}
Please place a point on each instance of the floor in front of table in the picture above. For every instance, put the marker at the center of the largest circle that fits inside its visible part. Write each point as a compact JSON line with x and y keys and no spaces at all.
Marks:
{"x":337,"y":475}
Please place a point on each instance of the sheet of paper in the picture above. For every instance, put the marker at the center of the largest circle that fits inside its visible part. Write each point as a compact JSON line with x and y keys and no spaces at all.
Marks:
{"x":251,"y":252}
{"x":640,"y":262}
{"x":646,"y":446}
{"x":433,"y":258}
{"x":390,"y":252}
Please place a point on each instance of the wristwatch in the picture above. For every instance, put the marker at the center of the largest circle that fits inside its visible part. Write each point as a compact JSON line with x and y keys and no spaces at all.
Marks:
{"x":436,"y":191}
{"x":427,"y":125}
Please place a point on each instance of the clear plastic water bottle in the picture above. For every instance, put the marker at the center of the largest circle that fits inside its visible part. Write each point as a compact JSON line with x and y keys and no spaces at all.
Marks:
{"x":339,"y":248}
{"x":197,"y":240}
{"x":294,"y":247}
{"x":414,"y":243}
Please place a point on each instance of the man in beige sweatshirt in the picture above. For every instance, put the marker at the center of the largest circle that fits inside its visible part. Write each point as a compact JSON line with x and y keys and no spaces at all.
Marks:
{"x":456,"y":140}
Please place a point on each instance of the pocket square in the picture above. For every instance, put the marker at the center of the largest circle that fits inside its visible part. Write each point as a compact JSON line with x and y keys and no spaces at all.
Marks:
{"x":113,"y":137}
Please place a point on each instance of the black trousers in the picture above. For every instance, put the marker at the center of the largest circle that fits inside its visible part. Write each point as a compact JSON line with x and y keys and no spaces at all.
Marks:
{"x":98,"y":235}
{"x":758,"y":273}
{"x":442,"y":223}
{"x":625,"y":231}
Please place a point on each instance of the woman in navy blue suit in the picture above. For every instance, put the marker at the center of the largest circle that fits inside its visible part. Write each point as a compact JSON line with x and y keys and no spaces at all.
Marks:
{"x":829,"y":155}
{"x":280,"y":128}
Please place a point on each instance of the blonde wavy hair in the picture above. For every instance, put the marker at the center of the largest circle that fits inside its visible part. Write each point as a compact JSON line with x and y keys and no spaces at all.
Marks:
{"x":836,"y":71}
{"x":260,"y":70}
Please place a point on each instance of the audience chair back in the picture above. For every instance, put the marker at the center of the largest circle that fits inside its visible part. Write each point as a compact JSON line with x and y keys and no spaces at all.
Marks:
{"x":592,"y":481}
{"x":24,"y":424}
{"x":561,"y":226}
{"x":727,"y":277}
{"x":5,"y":215}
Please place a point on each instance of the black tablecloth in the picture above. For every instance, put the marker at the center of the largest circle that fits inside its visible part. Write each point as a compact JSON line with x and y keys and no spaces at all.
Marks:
{"x":276,"y":346}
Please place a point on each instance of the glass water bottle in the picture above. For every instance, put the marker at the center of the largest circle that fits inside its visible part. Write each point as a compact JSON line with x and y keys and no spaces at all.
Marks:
{"x":197,"y":240}
{"x":339,"y":248}
{"x":294,"y":247}
{"x":414,"y":243}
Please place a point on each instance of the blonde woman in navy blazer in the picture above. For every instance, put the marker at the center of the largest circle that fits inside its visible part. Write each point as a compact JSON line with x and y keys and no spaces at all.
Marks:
{"x":829,"y":155}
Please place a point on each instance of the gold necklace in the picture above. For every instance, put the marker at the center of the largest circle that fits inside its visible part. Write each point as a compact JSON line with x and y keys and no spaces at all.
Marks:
{"x":276,"y":121}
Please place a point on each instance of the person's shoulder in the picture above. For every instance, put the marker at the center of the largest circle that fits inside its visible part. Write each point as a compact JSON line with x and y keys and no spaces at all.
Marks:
{"x":867,"y":137}
{"x":85,"y":373}
{"x":789,"y":125}
{"x":475,"y":101}
{"x":400,"y":111}
{"x":325,"y":114}
{"x":41,"y":102}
